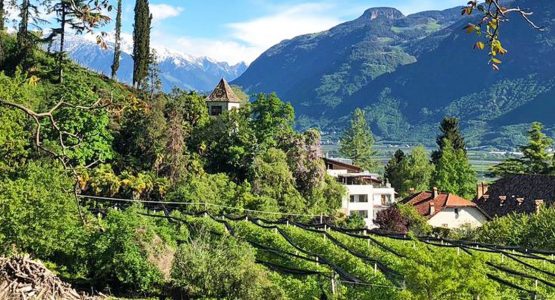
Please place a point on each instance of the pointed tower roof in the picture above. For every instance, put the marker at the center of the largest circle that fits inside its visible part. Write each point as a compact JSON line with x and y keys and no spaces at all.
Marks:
{"x":223,"y":93}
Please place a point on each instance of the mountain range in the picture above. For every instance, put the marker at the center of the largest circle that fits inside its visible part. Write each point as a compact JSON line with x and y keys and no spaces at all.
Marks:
{"x":176,"y":69}
{"x":408,"y":72}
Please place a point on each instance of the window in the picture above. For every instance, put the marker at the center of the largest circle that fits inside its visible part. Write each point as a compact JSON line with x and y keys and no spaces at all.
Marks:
{"x":216,"y":110}
{"x":358,"y":198}
{"x":362,"y":213}
{"x":385,"y":199}
{"x":456,"y":212}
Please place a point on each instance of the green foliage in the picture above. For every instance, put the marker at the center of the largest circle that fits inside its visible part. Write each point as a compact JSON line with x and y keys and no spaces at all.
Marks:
{"x":450,"y":131}
{"x":357,"y":141}
{"x":141,"y":42}
{"x":531,"y":231}
{"x":392,"y":169}
{"x":536,"y":158}
{"x":414,"y":172}
{"x":130,"y":253}
{"x":271,"y":119}
{"x":39,"y":213}
{"x":454,"y":174}
{"x":272,"y":178}
{"x":220,"y":267}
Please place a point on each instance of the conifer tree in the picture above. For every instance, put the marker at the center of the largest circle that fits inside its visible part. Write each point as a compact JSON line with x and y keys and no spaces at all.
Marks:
{"x":141,"y":42}
{"x":117,"y":42}
{"x":535,"y":160}
{"x":23,"y":32}
{"x":392,"y":169}
{"x":80,"y":16}
{"x":449,"y":131}
{"x":357,"y":141}
{"x":453,"y":173}
{"x":1,"y":15}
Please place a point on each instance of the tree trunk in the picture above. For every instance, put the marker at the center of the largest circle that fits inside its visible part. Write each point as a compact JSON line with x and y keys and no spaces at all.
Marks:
{"x":22,"y":35}
{"x":62,"y":40}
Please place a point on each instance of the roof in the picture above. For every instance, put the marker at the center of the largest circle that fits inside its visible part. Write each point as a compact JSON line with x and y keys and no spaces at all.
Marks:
{"x":421,"y":202}
{"x":223,"y":93}
{"x":518,"y":193}
{"x":341,"y":165}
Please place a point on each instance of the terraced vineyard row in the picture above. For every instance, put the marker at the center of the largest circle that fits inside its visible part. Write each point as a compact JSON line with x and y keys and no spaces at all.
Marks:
{"x":320,"y":260}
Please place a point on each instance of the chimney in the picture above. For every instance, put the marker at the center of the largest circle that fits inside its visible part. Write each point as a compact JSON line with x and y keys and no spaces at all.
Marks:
{"x":485,"y":197}
{"x":432,"y":208}
{"x":539,"y":204}
{"x":481,"y":190}
{"x":435,"y":193}
{"x":519,"y":201}
{"x":412,"y":190}
{"x":502,"y":200}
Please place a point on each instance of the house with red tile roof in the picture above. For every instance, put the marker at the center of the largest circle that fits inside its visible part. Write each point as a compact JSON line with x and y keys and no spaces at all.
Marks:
{"x":447,"y":210}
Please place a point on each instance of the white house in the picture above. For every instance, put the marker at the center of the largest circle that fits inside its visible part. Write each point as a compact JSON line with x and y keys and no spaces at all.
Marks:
{"x":366,"y":194}
{"x":447,"y":210}
{"x":222,"y":99}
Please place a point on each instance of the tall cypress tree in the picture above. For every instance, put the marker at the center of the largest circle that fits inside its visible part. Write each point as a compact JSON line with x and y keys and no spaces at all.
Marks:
{"x":117,"y":44}
{"x":1,"y":15}
{"x":450,"y":131}
{"x":141,"y":42}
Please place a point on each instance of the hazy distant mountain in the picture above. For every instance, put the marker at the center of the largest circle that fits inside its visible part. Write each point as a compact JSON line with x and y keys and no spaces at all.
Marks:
{"x":410,"y":71}
{"x":176,"y":70}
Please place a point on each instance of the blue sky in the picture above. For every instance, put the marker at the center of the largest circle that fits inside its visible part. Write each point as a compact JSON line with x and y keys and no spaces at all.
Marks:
{"x":240,"y":30}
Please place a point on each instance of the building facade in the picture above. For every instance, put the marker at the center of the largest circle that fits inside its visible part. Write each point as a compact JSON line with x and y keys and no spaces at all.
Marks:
{"x":366,"y":193}
{"x":447,"y":210}
{"x":222,"y":99}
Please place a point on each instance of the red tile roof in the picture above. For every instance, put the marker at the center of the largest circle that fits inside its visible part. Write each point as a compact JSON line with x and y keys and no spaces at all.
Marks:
{"x":421,"y":202}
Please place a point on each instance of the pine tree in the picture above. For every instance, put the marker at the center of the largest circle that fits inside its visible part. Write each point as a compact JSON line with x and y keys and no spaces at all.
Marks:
{"x":535,"y":160}
{"x":141,"y":42}
{"x":393,"y":168}
{"x":449,"y":131}
{"x":80,"y":16}
{"x":453,"y":173}
{"x":357,"y":141}
{"x":536,"y":156}
{"x":117,"y":43}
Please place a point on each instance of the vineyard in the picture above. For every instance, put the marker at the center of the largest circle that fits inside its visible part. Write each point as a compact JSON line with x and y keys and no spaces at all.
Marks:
{"x":318,"y":259}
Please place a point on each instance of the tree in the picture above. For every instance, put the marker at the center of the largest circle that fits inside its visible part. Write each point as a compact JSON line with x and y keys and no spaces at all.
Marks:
{"x":1,"y":15}
{"x":494,"y":15}
{"x":454,"y":174}
{"x":80,"y":16}
{"x":141,"y":42}
{"x":272,"y":178}
{"x":449,"y":131}
{"x":536,"y":158}
{"x":416,"y":171}
{"x":117,"y":42}
{"x":271,"y":119}
{"x":357,"y":141}
{"x":393,"y":168}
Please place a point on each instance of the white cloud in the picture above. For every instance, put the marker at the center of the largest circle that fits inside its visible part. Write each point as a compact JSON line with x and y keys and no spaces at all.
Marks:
{"x":267,"y":31}
{"x":229,"y":51}
{"x":164,"y":11}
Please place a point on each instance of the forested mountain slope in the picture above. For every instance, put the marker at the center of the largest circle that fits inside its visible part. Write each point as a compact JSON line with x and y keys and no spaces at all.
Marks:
{"x":409,"y":72}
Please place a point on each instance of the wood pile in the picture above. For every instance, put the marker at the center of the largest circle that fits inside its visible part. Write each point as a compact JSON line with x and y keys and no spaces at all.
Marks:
{"x":22,"y":278}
